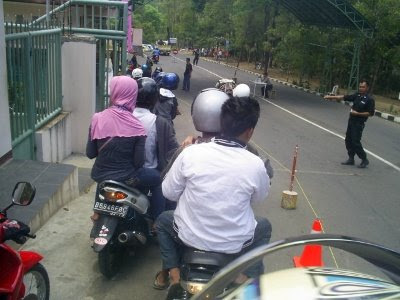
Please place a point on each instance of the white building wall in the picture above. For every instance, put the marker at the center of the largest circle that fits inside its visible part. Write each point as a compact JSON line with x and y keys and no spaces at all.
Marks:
{"x":79,"y":87}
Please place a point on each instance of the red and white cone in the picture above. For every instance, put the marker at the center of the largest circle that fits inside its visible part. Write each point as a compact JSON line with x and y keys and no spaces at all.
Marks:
{"x":312,"y":254}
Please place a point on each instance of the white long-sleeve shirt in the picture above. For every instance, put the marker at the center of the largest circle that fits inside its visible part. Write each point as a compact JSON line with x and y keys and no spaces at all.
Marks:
{"x":214,"y":186}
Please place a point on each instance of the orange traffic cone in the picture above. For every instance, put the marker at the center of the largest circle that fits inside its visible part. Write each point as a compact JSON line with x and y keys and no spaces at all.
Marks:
{"x":312,"y":254}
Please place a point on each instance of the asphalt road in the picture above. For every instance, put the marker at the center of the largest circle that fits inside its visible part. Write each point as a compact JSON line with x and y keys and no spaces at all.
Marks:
{"x":358,"y":202}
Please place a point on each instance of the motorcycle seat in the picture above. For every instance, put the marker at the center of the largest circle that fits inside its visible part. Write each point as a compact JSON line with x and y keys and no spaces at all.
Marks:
{"x":195,"y":256}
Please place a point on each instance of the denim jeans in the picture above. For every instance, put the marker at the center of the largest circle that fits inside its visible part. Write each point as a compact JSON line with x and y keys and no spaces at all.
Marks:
{"x":186,"y":82}
{"x":171,"y":247}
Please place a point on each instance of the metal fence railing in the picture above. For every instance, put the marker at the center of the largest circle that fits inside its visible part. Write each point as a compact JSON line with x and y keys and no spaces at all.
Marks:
{"x":34,"y":80}
{"x":107,"y":22}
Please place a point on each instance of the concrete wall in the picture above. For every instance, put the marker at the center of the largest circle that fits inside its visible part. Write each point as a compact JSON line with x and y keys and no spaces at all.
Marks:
{"x":53,"y":141}
{"x":5,"y":131}
{"x":79,"y":87}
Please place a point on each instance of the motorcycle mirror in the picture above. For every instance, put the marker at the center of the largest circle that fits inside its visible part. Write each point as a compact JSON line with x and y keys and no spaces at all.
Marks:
{"x":23,"y":193}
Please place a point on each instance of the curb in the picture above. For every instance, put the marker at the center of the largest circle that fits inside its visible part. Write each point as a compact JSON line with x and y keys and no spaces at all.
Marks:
{"x":378,"y":113}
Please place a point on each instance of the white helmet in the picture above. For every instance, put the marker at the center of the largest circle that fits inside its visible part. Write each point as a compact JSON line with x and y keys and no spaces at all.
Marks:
{"x":206,"y":110}
{"x":242,"y":90}
{"x":137,"y":73}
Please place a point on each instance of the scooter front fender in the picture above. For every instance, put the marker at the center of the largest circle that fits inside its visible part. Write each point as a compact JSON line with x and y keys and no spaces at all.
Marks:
{"x":104,"y":229}
{"x":29,"y":259}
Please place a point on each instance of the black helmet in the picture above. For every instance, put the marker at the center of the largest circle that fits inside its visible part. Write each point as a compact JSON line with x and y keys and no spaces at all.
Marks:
{"x":159,"y":69}
{"x":147,"y":92}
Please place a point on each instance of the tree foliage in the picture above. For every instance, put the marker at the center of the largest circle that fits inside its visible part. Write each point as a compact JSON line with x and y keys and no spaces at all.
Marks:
{"x":261,"y":30}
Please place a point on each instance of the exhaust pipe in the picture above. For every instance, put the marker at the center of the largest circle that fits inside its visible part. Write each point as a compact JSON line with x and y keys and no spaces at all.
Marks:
{"x":129,"y":237}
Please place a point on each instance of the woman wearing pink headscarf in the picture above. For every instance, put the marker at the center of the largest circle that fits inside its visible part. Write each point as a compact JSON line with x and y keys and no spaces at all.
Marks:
{"x":116,"y":137}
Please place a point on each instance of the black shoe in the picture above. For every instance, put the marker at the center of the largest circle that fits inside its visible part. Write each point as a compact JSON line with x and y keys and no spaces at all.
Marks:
{"x":349,"y":162}
{"x":364,"y":164}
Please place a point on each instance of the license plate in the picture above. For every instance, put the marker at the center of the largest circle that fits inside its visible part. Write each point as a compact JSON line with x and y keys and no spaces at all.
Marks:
{"x":110,"y":209}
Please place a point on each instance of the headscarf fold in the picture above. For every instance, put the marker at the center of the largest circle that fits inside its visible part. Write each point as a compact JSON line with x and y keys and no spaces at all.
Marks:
{"x":117,"y":120}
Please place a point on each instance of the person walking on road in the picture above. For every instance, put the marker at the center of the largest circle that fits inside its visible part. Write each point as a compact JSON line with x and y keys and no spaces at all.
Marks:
{"x":186,"y":75}
{"x":196,"y":57}
{"x":362,"y":108}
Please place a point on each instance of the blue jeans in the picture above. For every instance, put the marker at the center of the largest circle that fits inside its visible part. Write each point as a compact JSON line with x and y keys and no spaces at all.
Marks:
{"x":186,"y":82}
{"x":171,"y":247}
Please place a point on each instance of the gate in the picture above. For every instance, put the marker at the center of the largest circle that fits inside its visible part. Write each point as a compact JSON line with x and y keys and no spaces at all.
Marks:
{"x":34,"y":85}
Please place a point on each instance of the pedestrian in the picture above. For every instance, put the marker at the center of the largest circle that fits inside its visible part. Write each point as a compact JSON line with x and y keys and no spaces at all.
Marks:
{"x":186,"y":75}
{"x":362,"y":108}
{"x":196,"y":57}
{"x":268,"y":85}
{"x":219,"y":55}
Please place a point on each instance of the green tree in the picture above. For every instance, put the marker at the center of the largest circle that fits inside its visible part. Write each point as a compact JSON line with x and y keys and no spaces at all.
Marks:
{"x":151,"y":21}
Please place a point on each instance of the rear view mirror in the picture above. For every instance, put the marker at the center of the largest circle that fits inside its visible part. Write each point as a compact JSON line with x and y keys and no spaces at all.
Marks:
{"x":23,"y":193}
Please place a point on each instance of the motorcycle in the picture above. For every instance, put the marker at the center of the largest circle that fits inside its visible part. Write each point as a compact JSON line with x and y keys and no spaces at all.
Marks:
{"x":226,"y":85}
{"x":209,"y":275}
{"x":122,"y":224}
{"x":22,"y":275}
{"x":155,"y":58}
{"x":197,"y":269}
{"x":310,"y":282}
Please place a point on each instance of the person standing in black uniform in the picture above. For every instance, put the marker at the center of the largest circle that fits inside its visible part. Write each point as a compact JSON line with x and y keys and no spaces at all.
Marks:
{"x":362,"y":108}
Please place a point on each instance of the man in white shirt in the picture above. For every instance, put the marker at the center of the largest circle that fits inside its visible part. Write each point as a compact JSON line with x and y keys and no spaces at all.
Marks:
{"x":214,"y":184}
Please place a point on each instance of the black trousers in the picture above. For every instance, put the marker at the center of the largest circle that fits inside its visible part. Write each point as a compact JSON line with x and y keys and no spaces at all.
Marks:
{"x":268,"y":88}
{"x":353,"y":139}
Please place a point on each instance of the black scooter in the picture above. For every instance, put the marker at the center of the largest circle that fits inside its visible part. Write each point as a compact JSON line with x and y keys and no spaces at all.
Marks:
{"x":122,"y":224}
{"x":197,"y":269}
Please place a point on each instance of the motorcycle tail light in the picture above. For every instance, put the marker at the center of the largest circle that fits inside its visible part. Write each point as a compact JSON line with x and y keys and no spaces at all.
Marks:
{"x":193,"y":287}
{"x":114,"y":196}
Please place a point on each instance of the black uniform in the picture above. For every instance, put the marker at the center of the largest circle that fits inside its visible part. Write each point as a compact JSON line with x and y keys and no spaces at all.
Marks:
{"x":355,"y":127}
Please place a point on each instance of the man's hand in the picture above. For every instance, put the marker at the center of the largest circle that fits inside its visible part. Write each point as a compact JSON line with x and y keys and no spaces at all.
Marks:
{"x":189,"y":140}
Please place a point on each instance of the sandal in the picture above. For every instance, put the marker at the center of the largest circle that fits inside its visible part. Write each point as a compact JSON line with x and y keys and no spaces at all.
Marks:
{"x":159,"y":286}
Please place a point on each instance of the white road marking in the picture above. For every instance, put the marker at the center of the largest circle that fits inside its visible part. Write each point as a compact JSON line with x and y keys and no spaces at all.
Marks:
{"x":333,"y":133}
{"x":316,"y":125}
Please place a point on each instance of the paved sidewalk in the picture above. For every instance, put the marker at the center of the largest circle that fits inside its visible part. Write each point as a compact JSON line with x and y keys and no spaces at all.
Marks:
{"x":56,"y":185}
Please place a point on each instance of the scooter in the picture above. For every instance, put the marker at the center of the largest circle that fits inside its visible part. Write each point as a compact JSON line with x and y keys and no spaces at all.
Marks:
{"x":22,"y":275}
{"x":122,"y":224}
{"x":197,"y":269}
{"x":319,"y":282}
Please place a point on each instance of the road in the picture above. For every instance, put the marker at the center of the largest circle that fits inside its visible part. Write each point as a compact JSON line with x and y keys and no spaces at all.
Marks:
{"x":358,"y":202}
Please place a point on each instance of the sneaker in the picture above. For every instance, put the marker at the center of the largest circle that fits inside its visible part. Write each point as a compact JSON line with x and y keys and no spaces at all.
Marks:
{"x":349,"y":162}
{"x":364,"y":164}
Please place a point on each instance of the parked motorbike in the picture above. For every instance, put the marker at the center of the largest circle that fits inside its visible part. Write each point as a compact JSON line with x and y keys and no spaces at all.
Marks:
{"x":122,"y":224}
{"x":22,"y":275}
{"x":155,"y":59}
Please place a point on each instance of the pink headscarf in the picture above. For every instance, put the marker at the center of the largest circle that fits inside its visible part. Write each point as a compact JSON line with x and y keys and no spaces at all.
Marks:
{"x":117,"y":120}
